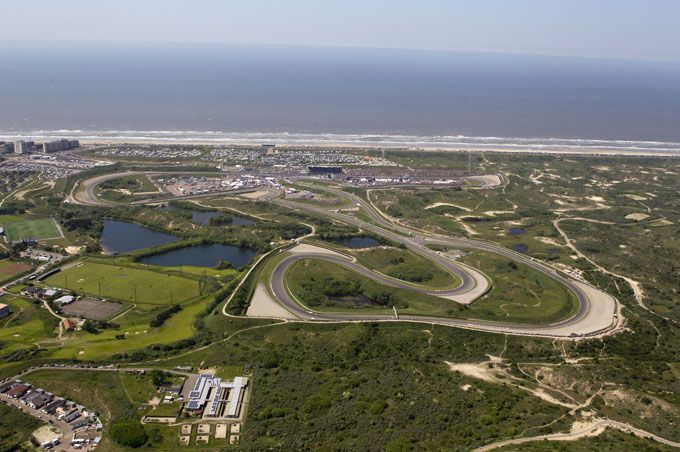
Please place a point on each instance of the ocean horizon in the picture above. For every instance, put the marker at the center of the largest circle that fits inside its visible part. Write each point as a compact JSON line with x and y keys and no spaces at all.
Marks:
{"x":355,"y":97}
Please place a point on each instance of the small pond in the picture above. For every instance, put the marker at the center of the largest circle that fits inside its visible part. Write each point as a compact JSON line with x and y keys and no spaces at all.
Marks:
{"x":357,"y":242}
{"x":516,"y":231}
{"x":521,"y":247}
{"x":124,"y":237}
{"x":202,"y":256}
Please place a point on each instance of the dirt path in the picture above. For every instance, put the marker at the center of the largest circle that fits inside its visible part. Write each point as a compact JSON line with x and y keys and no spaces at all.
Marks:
{"x":17,"y":190}
{"x":245,"y":214}
{"x":635,"y":285}
{"x":21,"y":195}
{"x":583,"y":429}
{"x":585,"y":425}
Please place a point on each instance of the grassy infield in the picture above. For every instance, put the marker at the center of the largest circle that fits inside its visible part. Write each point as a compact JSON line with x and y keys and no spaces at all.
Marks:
{"x":115,"y":190}
{"x":518,"y":295}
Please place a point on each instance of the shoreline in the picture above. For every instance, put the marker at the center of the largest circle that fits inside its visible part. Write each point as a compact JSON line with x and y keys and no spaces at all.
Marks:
{"x":548,"y":146}
{"x":584,"y":151}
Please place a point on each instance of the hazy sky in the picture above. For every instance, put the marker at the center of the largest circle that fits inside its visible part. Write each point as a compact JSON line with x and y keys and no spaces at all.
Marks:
{"x":646,"y":29}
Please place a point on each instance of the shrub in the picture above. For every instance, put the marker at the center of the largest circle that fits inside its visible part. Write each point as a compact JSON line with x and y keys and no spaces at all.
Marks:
{"x":129,"y":433}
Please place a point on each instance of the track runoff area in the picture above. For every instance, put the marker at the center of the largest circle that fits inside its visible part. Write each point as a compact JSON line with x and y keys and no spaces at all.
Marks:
{"x":598,"y":313}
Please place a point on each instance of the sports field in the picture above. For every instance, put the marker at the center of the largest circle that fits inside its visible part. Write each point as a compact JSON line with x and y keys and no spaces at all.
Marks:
{"x":148,"y":289}
{"x":9,"y":269}
{"x":43,"y":229}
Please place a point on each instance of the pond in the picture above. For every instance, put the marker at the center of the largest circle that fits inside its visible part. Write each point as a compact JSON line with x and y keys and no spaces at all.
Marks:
{"x":357,"y":242}
{"x":123,"y":237}
{"x":204,"y":218}
{"x":516,"y":231}
{"x":520,"y":247}
{"x":202,"y":256}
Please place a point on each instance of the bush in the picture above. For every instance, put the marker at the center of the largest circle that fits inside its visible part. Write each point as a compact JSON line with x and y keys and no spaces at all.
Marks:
{"x":165,"y":315}
{"x":129,"y":433}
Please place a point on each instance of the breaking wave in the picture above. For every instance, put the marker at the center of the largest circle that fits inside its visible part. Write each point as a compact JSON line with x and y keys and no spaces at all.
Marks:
{"x":354,"y":140}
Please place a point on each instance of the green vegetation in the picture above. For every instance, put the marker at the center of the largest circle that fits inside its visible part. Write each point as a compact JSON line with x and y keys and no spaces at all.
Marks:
{"x":27,"y":325}
{"x":15,"y":428}
{"x":609,"y":441}
{"x":165,"y":315}
{"x":326,"y":286}
{"x":129,"y":433}
{"x":519,"y":293}
{"x":406,"y":265}
{"x":42,"y":229}
{"x":124,"y":189}
{"x":387,"y":386}
{"x":10,"y":269}
{"x":145,"y":288}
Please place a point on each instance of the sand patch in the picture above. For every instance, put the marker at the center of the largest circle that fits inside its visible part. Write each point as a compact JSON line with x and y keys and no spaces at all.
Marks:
{"x":492,"y":213}
{"x":259,"y":194}
{"x":635,"y":197}
{"x":661,"y":222}
{"x":486,"y":180}
{"x":438,"y":204}
{"x":636,"y":216}
{"x":479,"y":371}
{"x":305,"y":248}
{"x":548,"y":241}
{"x":74,"y":249}
{"x":263,"y":305}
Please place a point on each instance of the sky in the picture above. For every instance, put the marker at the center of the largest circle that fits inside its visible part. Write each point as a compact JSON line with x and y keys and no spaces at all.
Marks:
{"x":629,"y":29}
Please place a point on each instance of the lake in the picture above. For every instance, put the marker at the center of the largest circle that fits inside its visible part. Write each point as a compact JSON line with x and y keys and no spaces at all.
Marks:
{"x":357,"y":242}
{"x":202,"y":256}
{"x":124,"y":237}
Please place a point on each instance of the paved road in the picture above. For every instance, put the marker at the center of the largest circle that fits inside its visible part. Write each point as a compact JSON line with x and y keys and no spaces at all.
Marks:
{"x":597,"y":313}
{"x":462,"y":289}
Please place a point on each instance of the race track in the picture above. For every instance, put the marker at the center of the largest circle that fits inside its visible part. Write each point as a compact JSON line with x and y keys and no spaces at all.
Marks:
{"x":598,"y":313}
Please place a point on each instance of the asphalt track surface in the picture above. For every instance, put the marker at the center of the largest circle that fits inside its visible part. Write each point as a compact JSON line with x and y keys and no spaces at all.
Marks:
{"x":581,"y":323}
{"x":597,"y":313}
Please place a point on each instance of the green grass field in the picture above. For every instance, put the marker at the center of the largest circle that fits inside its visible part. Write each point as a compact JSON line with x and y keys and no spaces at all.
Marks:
{"x":43,"y":229}
{"x":134,"y":326}
{"x":407,"y":301}
{"x":407,"y":266}
{"x":26,"y":325}
{"x":147,"y":288}
{"x":519,"y":293}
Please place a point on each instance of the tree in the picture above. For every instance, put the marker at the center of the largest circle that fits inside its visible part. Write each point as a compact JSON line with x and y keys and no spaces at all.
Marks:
{"x":158,"y":377}
{"x":129,"y":433}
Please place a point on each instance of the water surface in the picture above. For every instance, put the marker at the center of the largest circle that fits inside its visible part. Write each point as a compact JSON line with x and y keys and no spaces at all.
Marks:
{"x":357,"y":242}
{"x":177,"y":91}
{"x":124,"y":237}
{"x":203,"y":256}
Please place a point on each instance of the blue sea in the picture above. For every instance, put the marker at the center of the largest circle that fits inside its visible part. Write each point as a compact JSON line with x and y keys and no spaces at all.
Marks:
{"x":304,"y":95}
